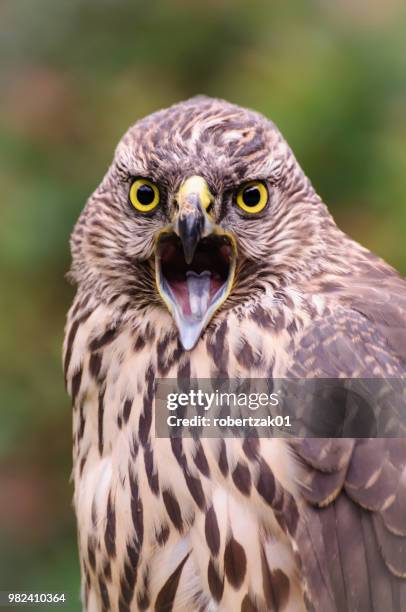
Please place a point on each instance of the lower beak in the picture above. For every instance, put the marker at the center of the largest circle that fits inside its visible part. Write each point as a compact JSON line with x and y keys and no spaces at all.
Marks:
{"x":195,"y":263}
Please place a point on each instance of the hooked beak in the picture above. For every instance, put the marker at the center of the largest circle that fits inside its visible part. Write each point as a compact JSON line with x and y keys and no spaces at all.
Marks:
{"x":193,"y":222}
{"x":195,"y":262}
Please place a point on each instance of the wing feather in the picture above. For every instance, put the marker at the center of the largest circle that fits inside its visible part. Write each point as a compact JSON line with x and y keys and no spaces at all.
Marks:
{"x":352,"y":534}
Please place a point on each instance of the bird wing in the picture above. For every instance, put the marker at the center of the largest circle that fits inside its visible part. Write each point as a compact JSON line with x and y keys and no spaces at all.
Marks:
{"x":352,"y":536}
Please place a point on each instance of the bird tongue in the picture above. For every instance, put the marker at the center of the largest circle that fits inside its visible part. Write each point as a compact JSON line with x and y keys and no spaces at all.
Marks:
{"x":191,"y":301}
{"x":199,"y":292}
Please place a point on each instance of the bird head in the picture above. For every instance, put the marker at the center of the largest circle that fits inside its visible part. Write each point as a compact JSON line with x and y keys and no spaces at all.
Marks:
{"x":203,"y":209}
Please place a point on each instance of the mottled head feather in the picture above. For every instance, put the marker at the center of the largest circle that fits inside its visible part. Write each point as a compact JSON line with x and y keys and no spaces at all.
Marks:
{"x":113,"y":246}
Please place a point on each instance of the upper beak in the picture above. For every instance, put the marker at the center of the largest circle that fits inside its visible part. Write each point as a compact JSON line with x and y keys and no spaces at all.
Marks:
{"x":193,"y":221}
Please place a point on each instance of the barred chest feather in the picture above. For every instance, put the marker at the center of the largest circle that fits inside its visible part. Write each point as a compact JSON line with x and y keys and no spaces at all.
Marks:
{"x":182,"y":524}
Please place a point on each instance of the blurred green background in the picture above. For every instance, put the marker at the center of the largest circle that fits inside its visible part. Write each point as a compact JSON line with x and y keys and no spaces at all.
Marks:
{"x":73,"y":75}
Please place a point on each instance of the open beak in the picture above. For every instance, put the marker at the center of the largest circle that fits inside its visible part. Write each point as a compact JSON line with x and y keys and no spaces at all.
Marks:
{"x":195,"y":262}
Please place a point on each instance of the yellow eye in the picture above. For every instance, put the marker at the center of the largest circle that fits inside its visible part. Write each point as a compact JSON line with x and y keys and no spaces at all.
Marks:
{"x":253,"y":197}
{"x":144,"y":195}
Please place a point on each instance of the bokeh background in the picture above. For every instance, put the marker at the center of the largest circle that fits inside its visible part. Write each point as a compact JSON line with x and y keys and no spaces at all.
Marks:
{"x":73,"y":75}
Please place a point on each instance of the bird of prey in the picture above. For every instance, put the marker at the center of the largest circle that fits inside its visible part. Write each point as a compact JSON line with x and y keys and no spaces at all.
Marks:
{"x":206,"y":253}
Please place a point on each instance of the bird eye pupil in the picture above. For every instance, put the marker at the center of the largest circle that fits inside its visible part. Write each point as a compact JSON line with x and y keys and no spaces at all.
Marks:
{"x":251,"y":196}
{"x":145,"y":194}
